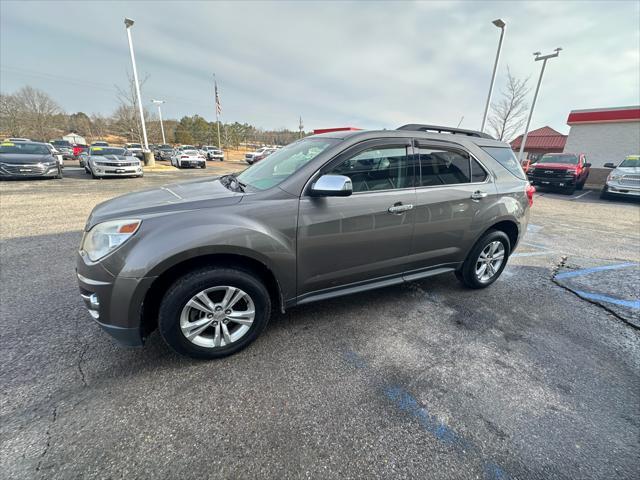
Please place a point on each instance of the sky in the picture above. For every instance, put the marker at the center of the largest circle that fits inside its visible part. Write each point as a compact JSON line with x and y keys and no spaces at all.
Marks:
{"x":362,"y":64}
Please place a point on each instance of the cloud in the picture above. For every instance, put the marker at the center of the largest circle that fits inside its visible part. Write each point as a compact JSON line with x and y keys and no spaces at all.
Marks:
{"x":373,"y":65}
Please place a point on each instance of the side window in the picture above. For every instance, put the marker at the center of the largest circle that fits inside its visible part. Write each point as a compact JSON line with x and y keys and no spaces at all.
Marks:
{"x":443,"y":167}
{"x":477,"y":172}
{"x":382,"y":168}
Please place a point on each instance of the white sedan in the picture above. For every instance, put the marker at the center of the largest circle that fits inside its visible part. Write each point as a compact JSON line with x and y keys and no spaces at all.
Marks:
{"x":188,"y":158}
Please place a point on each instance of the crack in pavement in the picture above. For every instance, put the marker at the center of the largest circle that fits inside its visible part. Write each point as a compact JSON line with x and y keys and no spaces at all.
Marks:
{"x":48,"y":434}
{"x":79,"y":364}
{"x":562,"y":263}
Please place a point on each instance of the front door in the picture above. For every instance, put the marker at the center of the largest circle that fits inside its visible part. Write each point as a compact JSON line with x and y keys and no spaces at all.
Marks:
{"x":346,"y":240}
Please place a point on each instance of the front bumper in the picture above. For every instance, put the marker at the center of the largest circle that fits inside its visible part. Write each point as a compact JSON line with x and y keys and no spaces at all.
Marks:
{"x":564,"y":181}
{"x":8,"y":170}
{"x":114,"y":303}
{"x":191,"y":163}
{"x":616,"y":188}
{"x":113,"y":171}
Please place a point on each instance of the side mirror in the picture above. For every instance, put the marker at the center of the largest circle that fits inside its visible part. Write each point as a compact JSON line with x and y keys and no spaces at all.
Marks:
{"x":608,"y":165}
{"x":587,"y":165}
{"x":332,"y":186}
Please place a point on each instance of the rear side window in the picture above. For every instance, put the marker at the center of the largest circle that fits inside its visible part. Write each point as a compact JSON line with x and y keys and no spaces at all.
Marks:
{"x":448,"y":167}
{"x":505,"y":157}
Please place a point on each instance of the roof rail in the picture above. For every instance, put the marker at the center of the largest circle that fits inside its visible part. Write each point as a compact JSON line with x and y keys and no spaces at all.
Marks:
{"x":417,"y":127}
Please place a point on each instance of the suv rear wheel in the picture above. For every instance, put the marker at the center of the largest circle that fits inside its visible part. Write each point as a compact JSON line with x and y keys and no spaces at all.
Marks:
{"x":486,"y":260}
{"x":214,"y":312}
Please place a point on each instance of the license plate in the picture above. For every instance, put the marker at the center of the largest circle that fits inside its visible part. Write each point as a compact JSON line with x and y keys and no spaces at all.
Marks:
{"x":25,"y":170}
{"x":546,"y":183}
{"x":561,"y":184}
{"x":120,"y":170}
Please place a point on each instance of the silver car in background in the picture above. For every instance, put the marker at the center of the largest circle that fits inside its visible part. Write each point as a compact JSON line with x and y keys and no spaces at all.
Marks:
{"x":624,"y":180}
{"x":111,"y":162}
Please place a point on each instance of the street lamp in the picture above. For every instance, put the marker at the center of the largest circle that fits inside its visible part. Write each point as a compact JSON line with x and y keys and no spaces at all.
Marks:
{"x":128,"y":24}
{"x":502,"y":26}
{"x":544,"y":59}
{"x":160,"y":102}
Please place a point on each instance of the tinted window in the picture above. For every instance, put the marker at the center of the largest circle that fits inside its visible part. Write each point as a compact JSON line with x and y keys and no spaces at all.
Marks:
{"x":565,"y":159}
{"x":24,"y":148}
{"x":477,"y":172}
{"x":505,"y":157}
{"x":375,"y":169}
{"x":100,"y":151}
{"x":443,"y":167}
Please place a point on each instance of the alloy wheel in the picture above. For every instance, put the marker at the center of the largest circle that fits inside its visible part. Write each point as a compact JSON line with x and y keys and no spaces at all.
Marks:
{"x":217,"y":317}
{"x":490,"y":260}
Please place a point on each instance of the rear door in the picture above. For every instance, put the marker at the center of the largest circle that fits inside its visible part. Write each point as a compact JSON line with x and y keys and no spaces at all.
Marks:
{"x":452,"y":187}
{"x":346,"y":240}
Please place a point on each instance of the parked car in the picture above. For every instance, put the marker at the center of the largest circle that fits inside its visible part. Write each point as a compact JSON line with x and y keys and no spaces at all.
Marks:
{"x":103,"y":162}
{"x":64,"y":147}
{"x":568,"y":171}
{"x":249,"y":156}
{"x":624,"y":180}
{"x":163,"y":152}
{"x":188,"y":158}
{"x":213,"y":153}
{"x":134,"y":149}
{"x":79,"y":150}
{"x":56,"y":154}
{"x":206,"y":261}
{"x":28,"y":159}
{"x":99,"y":143}
{"x":263,"y":155}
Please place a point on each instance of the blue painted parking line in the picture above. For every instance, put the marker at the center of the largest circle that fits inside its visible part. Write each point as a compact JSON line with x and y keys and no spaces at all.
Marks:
{"x":531,"y":254}
{"x":535,"y":245}
{"x":635,"y":304}
{"x":587,"y":271}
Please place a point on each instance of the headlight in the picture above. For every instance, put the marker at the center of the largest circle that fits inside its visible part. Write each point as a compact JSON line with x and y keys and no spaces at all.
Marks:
{"x":105,"y":237}
{"x":613,"y":176}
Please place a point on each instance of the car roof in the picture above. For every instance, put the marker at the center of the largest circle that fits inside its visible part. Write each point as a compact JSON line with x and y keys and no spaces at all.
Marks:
{"x":450,"y":137}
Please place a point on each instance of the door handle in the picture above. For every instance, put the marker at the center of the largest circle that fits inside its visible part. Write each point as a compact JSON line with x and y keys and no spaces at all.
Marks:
{"x":478,"y":194}
{"x":399,"y":208}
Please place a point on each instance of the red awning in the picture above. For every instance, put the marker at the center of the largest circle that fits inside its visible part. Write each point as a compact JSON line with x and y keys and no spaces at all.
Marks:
{"x":545,"y":138}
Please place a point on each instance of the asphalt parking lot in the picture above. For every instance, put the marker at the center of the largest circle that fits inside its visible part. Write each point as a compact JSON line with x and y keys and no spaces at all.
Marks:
{"x":536,"y":377}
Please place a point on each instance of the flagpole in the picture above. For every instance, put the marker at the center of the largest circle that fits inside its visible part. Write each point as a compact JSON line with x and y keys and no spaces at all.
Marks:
{"x":216,"y":106}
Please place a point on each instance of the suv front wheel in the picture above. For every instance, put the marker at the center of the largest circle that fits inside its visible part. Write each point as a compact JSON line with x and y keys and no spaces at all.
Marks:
{"x":214,"y":312}
{"x":486,"y":260}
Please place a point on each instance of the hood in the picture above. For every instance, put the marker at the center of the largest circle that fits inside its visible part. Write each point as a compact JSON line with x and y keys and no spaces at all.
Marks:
{"x":553,"y":166}
{"x":114,"y":158}
{"x":628,"y":170}
{"x":202,"y":193}
{"x":25,"y":158}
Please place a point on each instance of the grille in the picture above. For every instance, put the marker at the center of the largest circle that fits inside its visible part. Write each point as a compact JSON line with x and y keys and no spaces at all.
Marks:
{"x":630,"y":180}
{"x":114,"y":164}
{"x":542,"y":173}
{"x":12,"y":169}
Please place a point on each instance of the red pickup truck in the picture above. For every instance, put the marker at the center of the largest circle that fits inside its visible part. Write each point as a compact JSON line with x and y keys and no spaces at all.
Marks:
{"x":568,"y":171}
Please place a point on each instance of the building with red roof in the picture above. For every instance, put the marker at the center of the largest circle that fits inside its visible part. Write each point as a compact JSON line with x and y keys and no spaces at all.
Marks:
{"x":540,"y":141}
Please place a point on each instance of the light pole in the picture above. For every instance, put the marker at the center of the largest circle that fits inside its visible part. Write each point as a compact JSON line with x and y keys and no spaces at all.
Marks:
{"x":544,"y":59}
{"x":128,"y":24}
{"x":160,"y":102}
{"x":502,"y":26}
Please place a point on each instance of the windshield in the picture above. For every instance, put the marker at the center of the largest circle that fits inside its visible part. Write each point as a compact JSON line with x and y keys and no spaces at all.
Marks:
{"x":564,"y":159}
{"x":630,"y":162}
{"x":134,"y":145}
{"x":61,"y":143}
{"x":24,"y":148}
{"x":107,"y":151}
{"x":281,"y":164}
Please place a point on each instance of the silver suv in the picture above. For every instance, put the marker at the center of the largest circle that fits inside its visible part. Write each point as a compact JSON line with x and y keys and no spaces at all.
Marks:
{"x":207,"y":261}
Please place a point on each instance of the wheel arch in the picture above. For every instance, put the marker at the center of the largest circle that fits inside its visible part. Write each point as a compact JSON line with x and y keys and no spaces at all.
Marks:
{"x":155,"y":293}
{"x":510,"y":228}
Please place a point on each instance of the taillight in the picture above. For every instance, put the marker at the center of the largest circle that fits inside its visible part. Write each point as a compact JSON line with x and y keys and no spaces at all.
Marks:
{"x":530,"y":190}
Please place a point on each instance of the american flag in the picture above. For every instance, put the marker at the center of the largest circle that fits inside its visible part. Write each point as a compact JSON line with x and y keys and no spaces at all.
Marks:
{"x":218,"y":104}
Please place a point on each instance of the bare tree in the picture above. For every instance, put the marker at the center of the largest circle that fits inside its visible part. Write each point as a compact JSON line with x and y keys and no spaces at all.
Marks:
{"x":509,"y":113}
{"x":29,"y":112}
{"x":126,"y":116}
{"x":12,"y":116}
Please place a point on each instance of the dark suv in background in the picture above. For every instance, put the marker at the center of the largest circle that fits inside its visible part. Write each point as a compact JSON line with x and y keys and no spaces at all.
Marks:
{"x":207,"y":261}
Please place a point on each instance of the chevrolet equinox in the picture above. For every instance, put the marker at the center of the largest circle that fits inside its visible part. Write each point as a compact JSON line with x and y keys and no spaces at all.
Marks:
{"x":206,"y":261}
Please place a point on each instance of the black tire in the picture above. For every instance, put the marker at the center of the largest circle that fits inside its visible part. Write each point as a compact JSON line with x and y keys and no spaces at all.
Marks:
{"x":580,"y":185}
{"x":204,"y":165}
{"x":467,"y":274}
{"x":189,"y":285}
{"x":570,"y":190}
{"x":604,"y":193}
{"x":93,"y":175}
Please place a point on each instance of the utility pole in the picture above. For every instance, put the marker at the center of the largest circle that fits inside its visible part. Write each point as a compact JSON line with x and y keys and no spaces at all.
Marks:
{"x":502,"y":26}
{"x":301,"y":127}
{"x":159,"y":103}
{"x":128,"y":24}
{"x":544,"y":59}
{"x":218,"y":108}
